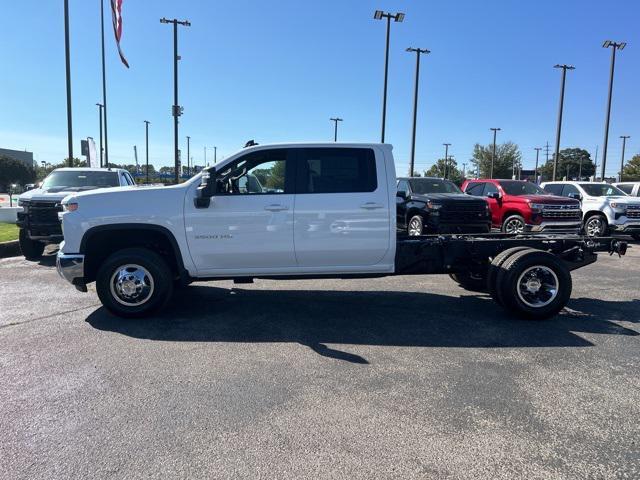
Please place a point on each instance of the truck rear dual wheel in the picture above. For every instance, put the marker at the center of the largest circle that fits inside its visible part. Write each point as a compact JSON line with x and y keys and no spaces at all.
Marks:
{"x":31,"y":249}
{"x":533,"y":284}
{"x":134,"y":282}
{"x":495,"y":267}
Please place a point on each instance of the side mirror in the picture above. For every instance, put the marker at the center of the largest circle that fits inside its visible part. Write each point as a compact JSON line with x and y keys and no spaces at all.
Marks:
{"x":402,"y":194}
{"x":575,"y":196}
{"x":207,"y":189}
{"x":494,"y":195}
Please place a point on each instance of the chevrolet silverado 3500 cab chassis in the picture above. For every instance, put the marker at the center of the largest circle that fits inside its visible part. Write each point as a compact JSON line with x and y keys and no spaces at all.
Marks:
{"x":296,"y":211}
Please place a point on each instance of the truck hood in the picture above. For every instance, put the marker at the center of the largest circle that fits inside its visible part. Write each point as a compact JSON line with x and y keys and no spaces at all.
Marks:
{"x":546,"y":199}
{"x":43,"y":194}
{"x":448,"y":197}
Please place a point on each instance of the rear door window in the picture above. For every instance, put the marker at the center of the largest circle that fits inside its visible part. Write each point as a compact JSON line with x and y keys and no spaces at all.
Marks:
{"x":336,"y":170}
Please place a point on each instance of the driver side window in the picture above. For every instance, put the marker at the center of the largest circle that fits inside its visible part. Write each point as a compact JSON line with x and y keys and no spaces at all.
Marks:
{"x":260,"y":172}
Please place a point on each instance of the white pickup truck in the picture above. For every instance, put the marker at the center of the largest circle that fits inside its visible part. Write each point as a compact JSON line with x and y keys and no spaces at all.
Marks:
{"x":295,"y":211}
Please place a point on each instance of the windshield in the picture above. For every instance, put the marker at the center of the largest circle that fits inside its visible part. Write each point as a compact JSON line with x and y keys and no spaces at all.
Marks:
{"x":428,"y":185}
{"x":522,"y":188}
{"x":70,"y":180}
{"x":602,"y":190}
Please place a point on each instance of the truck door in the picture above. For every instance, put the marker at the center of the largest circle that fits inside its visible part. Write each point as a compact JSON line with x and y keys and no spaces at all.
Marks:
{"x":249,"y":223}
{"x":342,"y":212}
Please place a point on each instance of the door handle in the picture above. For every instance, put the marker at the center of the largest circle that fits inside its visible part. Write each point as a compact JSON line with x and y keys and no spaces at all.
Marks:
{"x":371,"y":206}
{"x":276,"y":207}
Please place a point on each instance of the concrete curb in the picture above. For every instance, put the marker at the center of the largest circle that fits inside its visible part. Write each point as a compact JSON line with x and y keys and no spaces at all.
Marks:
{"x":10,"y":249}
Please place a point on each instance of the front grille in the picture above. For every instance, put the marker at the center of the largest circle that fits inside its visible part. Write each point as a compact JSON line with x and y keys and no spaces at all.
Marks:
{"x":41,"y":212}
{"x":633,"y":211}
{"x":464,"y":213}
{"x":562,"y":212}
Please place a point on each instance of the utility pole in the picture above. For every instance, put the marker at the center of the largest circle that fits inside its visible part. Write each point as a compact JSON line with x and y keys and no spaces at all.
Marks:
{"x":68,"y":72}
{"x":215,"y":155}
{"x":418,"y":52}
{"x":177,"y":109}
{"x":188,"y":156}
{"x":100,"y":107}
{"x":464,"y":171}
{"x":624,"y":144}
{"x":493,"y":157}
{"x":104,"y":88}
{"x":559,"y":129}
{"x":595,"y":163}
{"x":335,"y":127}
{"x":537,"y":149}
{"x":146,"y":141}
{"x":446,"y":159}
{"x":614,"y":46}
{"x":397,"y":17}
{"x":205,"y":156}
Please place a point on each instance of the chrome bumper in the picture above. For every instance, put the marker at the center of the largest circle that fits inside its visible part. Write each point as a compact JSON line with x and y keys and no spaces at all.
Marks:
{"x":71,"y":268}
{"x":570,"y":227}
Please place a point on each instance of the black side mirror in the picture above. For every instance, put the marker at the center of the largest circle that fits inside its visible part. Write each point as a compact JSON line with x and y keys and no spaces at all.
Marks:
{"x":575,"y":196}
{"x":494,"y":195}
{"x":207,"y":188}
{"x":402,"y":194}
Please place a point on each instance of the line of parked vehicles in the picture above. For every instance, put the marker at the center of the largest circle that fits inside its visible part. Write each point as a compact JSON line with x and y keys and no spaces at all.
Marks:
{"x":320,"y":210}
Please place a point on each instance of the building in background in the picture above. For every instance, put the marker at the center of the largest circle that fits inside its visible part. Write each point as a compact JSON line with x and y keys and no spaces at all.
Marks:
{"x":20,"y":155}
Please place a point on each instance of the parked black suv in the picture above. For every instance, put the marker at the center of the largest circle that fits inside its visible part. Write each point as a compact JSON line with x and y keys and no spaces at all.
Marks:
{"x":427,"y":205}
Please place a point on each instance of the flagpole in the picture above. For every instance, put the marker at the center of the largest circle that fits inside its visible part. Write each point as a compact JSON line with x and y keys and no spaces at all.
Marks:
{"x":104,"y":88}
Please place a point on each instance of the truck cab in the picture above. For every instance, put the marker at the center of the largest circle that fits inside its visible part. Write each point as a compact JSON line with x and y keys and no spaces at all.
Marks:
{"x":38,"y":222}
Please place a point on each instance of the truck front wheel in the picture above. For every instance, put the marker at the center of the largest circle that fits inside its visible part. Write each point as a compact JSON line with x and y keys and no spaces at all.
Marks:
{"x":534,"y":284}
{"x":134,"y":282}
{"x":415,"y":226}
{"x":31,"y":249}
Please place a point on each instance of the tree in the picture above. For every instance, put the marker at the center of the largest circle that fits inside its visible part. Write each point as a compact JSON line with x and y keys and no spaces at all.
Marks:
{"x":14,"y":171}
{"x":507,"y":154}
{"x":572,"y":163}
{"x":631,"y":171}
{"x":438,"y":169}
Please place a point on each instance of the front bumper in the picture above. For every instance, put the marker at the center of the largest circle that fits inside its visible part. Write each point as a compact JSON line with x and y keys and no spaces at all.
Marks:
{"x":626,"y":227}
{"x":557,"y":227}
{"x":71,"y":268}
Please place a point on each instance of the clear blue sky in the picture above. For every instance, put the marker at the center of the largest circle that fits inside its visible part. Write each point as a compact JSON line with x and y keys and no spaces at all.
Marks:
{"x":276,"y":71}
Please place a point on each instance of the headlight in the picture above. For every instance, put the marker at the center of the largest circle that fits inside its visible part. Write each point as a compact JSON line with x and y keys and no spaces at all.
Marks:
{"x":433,"y":206}
{"x":23,"y":203}
{"x":537,"y":207}
{"x":618,"y":206}
{"x":69,"y":207}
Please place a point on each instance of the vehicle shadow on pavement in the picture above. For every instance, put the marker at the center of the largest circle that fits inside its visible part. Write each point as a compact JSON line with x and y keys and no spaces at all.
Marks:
{"x":383,"y":318}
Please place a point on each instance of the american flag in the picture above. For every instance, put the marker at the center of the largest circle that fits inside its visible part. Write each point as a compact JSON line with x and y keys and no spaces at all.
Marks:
{"x":116,"y":10}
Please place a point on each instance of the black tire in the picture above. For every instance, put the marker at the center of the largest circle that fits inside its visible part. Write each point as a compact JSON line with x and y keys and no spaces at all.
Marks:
{"x":470,"y":281}
{"x":540,"y":267}
{"x":419,"y":225}
{"x":496,"y":266}
{"x":148,"y":272}
{"x":596,"y":217}
{"x":31,"y":249}
{"x":513,"y":220}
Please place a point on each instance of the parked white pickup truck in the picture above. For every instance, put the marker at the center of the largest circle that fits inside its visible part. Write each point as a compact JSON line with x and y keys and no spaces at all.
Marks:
{"x":295,"y":211}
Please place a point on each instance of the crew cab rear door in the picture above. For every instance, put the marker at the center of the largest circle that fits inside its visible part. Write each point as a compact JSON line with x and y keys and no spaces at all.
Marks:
{"x":342,"y":212}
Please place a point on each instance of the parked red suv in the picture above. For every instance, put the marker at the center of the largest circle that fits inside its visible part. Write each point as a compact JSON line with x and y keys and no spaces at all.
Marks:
{"x":519,"y":206}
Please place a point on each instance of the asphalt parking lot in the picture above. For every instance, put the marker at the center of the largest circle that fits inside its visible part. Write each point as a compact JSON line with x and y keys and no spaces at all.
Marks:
{"x":407,"y":377}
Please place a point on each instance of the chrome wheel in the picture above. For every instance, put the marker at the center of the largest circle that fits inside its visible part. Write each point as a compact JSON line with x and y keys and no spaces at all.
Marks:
{"x":514,"y":225}
{"x":538,"y":286}
{"x":415,"y":227}
{"x":594,"y":226}
{"x":131,"y":285}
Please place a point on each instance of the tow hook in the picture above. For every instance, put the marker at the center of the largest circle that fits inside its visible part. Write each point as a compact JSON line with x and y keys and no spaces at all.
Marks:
{"x":619,"y":247}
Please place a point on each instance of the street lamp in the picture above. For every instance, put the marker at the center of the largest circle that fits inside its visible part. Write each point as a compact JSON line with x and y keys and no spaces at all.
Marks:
{"x":335,"y":127}
{"x":624,"y":144}
{"x":397,"y":17}
{"x":146,"y":132}
{"x":614,"y":46}
{"x":446,"y":158}
{"x":562,"y":82}
{"x":100,"y":107}
{"x":493,"y":157}
{"x":418,"y":52}
{"x":537,"y":149}
{"x":188,"y":155}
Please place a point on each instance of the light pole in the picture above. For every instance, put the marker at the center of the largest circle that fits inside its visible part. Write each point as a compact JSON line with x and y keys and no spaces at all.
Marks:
{"x":493,"y":157}
{"x":67,"y":55}
{"x":335,"y":127}
{"x":537,"y":149}
{"x":464,"y":171}
{"x":215,"y":155}
{"x":418,"y":52}
{"x":446,"y":159}
{"x":188,"y":155}
{"x":205,"y":156}
{"x":177,"y":109}
{"x":397,"y":17}
{"x":558,"y":130}
{"x":100,"y":107}
{"x":624,"y":144}
{"x":146,"y":141}
{"x":614,"y":46}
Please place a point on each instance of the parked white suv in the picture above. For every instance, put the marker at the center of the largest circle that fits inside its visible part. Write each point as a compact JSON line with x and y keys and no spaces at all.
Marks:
{"x":605,"y":207}
{"x":630,"y":188}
